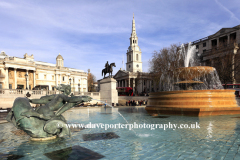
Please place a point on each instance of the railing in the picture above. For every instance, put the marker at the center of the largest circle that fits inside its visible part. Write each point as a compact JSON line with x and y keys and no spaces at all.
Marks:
{"x":87,"y":93}
{"x":216,"y":50}
{"x":199,"y":40}
{"x":24,"y":92}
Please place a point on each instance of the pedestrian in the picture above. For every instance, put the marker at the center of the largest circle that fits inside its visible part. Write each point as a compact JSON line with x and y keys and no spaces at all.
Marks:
{"x":126,"y":103}
{"x":129,"y":103}
{"x":137,"y":103}
{"x":105,"y":103}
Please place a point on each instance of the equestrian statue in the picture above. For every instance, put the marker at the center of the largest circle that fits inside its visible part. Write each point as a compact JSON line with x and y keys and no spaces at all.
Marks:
{"x":45,"y":121}
{"x":108,"y":69}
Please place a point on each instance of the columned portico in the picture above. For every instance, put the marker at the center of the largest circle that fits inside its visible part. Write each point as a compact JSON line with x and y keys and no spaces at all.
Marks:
{"x":34,"y":78}
{"x":27,"y":87}
{"x":15,"y":78}
{"x":7,"y":79}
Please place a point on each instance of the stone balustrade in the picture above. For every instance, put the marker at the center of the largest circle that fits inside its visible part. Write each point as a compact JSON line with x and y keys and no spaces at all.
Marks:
{"x":7,"y":96}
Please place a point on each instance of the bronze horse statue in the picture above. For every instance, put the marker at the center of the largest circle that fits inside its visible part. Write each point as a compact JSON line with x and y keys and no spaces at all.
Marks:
{"x":108,"y":70}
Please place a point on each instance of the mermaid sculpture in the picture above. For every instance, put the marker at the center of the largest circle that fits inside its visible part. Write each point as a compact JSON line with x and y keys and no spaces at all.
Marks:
{"x":46,"y":120}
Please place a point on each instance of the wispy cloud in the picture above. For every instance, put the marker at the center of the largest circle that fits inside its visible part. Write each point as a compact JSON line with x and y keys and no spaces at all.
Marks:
{"x":227,"y":10}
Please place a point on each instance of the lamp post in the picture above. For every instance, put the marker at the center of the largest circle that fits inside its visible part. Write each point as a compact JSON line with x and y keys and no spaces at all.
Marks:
{"x":26,"y":80}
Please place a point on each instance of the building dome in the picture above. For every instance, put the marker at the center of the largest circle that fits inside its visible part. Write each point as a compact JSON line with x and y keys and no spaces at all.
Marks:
{"x":59,"y":57}
{"x":59,"y":61}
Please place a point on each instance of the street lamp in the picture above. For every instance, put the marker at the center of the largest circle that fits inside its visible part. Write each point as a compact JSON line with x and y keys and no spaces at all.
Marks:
{"x":26,"y":80}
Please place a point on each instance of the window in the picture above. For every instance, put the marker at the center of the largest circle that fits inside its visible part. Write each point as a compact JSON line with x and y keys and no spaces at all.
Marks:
{"x":63,"y":78}
{"x":0,"y":85}
{"x":133,"y":41}
{"x":129,"y":57}
{"x":10,"y":86}
{"x":197,"y":46}
{"x":137,"y":57}
{"x":129,"y":66}
{"x":204,"y":50}
{"x":204,"y":44}
{"x":137,"y":65}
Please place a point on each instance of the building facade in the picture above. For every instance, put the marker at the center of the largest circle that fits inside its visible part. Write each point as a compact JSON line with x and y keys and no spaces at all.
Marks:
{"x":133,"y":76}
{"x":26,"y":73}
{"x":217,"y":45}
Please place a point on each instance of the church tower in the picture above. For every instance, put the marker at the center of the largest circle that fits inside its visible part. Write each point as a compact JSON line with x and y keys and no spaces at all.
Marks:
{"x":134,"y":54}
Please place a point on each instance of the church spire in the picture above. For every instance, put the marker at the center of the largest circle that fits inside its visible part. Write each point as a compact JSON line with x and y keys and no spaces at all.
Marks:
{"x":133,"y":27}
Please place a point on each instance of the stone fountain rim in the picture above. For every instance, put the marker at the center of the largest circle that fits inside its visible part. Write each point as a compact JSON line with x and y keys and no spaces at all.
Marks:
{"x":192,"y":91}
{"x":197,"y":67}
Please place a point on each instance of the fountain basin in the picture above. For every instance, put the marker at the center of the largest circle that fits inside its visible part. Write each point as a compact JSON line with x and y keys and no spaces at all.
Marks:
{"x":193,"y":102}
{"x":188,"y":73}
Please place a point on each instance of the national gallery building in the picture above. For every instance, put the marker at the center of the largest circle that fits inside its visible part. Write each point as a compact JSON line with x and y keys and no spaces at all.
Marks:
{"x":25,"y":73}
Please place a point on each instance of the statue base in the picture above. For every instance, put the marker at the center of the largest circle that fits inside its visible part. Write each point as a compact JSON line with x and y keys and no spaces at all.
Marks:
{"x":108,"y":91}
{"x":43,"y":139}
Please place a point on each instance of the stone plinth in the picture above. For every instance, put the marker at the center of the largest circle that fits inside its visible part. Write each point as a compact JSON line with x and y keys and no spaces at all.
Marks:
{"x":108,"y":91}
{"x":193,"y":103}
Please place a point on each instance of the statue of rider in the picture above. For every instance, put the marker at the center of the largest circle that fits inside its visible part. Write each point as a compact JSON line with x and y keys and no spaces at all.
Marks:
{"x":107,"y":67}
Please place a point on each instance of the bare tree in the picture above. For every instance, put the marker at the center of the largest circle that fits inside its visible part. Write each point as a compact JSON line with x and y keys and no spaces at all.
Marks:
{"x":166,"y":60}
{"x":91,"y":80}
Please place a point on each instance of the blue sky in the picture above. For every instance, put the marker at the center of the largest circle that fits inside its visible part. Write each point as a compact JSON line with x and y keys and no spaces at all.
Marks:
{"x":87,"y":33}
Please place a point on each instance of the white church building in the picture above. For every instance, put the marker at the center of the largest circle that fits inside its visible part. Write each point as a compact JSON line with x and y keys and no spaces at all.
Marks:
{"x":133,"y":77}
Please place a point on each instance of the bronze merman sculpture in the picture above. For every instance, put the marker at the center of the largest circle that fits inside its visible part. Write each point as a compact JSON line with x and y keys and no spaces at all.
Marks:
{"x":46,"y":120}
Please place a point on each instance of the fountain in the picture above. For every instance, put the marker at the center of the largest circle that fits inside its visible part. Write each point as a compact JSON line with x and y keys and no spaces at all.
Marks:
{"x":192,"y":91}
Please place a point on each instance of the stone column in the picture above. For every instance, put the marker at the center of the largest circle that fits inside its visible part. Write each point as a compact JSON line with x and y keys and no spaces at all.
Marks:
{"x":60,"y":79}
{"x":134,"y":85}
{"x":7,"y":80}
{"x":150,"y":83}
{"x":129,"y":82}
{"x":15,"y":78}
{"x":34,"y":79}
{"x":81,"y":85}
{"x":56,"y":79}
{"x":27,"y":80}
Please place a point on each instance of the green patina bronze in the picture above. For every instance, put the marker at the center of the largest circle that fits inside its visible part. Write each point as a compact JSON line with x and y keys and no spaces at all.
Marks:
{"x":46,"y":120}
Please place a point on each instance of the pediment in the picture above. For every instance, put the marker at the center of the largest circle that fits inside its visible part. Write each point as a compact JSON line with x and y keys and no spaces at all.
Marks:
{"x":120,"y":74}
{"x":222,"y":31}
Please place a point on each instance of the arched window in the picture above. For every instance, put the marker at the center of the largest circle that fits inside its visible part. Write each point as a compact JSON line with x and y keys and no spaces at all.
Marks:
{"x":137,"y":57}
{"x":133,"y":41}
{"x":129,"y":57}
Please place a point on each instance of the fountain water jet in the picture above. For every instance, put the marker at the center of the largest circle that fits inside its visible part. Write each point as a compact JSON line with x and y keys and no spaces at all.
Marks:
{"x":193,"y":91}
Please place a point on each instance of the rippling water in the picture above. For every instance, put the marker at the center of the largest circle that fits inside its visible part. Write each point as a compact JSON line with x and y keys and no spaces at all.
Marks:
{"x":218,"y":137}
